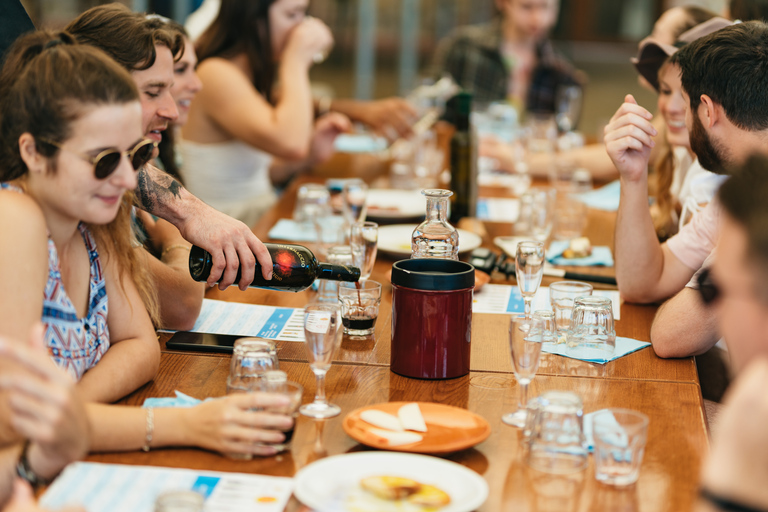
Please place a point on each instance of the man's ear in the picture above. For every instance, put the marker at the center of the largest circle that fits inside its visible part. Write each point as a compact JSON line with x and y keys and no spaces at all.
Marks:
{"x":34,"y":161}
{"x":709,"y":112}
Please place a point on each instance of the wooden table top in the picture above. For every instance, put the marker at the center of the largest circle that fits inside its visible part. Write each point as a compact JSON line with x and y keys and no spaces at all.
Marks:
{"x":666,"y":390}
{"x":676,"y":441}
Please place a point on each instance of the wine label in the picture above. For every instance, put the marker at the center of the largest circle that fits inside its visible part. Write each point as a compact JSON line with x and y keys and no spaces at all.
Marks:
{"x":318,"y":322}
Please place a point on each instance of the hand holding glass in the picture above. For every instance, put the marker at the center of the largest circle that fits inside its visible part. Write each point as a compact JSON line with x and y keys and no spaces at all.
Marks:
{"x":529,"y":268}
{"x":321,"y":330}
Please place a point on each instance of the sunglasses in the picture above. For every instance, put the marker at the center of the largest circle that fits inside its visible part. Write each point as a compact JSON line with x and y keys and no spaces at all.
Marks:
{"x":708,"y":290}
{"x":107,"y":161}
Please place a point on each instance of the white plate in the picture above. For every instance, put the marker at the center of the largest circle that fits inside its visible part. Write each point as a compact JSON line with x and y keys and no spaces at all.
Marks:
{"x":384,"y":203}
{"x":327,"y":484}
{"x":396,"y":240}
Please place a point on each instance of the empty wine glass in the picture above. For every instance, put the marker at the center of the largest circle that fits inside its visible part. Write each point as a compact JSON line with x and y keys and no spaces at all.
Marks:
{"x":529,"y":267}
{"x":354,"y":194}
{"x":525,"y":338}
{"x":568,"y":106}
{"x":363,"y":238}
{"x":322,"y":333}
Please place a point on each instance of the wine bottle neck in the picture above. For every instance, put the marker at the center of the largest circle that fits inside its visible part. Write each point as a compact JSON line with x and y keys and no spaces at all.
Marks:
{"x":338,"y":272}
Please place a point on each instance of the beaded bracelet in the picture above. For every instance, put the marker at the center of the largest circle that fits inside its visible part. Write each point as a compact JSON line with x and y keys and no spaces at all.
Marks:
{"x":150,"y":429}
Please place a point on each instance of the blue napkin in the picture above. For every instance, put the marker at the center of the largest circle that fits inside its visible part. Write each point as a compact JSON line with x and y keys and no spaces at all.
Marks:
{"x":288,"y":229}
{"x":181,"y":400}
{"x":359,"y":143}
{"x":624,"y":346}
{"x":589,"y":437}
{"x":601,"y":256}
{"x":604,"y":198}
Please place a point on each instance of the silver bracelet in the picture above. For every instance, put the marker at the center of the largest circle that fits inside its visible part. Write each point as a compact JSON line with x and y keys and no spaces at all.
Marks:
{"x":150,"y":429}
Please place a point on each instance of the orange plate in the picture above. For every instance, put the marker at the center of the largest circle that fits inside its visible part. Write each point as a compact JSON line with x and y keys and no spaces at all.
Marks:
{"x":449,"y":428}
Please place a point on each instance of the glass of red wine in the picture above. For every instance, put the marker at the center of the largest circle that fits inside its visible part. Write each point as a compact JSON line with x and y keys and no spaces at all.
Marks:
{"x":359,"y":307}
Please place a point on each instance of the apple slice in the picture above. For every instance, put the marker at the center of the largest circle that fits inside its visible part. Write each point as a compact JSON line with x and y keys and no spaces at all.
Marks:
{"x":396,"y":438}
{"x":381,"y":419}
{"x":411,"y":418}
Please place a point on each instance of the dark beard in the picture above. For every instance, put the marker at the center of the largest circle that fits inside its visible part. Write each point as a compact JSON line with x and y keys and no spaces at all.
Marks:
{"x":712,"y":157}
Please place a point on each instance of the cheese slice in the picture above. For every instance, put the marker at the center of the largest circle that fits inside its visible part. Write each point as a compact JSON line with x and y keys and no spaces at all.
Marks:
{"x":381,"y":419}
{"x":411,"y":418}
{"x":396,"y":438}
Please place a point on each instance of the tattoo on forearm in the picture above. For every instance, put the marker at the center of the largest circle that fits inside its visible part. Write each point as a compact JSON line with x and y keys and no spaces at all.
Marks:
{"x":156,"y":190}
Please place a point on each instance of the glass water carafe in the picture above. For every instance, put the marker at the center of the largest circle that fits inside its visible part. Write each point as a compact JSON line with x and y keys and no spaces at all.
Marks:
{"x":435,"y":237}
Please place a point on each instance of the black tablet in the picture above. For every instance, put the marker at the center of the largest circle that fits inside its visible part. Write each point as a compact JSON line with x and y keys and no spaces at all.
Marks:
{"x":202,"y":342}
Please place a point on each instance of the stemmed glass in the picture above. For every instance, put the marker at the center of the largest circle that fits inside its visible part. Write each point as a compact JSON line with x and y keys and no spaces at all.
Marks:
{"x":322,"y":324}
{"x":355,"y":192}
{"x":568,"y":106}
{"x":526,"y":336}
{"x":363,"y":239}
{"x":529,"y":268}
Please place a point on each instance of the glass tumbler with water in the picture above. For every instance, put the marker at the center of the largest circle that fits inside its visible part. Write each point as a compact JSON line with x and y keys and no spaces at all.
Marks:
{"x":620,"y":436}
{"x":592,"y":334}
{"x":555,"y":433}
{"x":435,"y":237}
{"x":561,"y":296}
{"x":251,"y":358}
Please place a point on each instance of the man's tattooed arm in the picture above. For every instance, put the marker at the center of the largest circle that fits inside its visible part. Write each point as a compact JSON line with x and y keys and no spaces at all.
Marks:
{"x":231,"y":243}
{"x":160,"y":194}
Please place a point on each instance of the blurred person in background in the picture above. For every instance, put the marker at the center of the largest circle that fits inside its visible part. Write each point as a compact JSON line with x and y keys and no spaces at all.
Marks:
{"x":390,"y":117}
{"x":243,"y":136}
{"x":510,"y":59}
{"x":666,"y":31}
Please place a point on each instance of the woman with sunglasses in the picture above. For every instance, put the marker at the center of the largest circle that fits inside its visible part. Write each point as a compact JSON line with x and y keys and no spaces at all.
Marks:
{"x":72,"y":142}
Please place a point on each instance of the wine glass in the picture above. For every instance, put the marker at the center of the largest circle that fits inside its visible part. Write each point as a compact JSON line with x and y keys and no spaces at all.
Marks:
{"x":529,"y":267}
{"x":363,"y":239}
{"x":355,"y":192}
{"x":568,"y":106}
{"x":525,"y":338}
{"x":322,"y":333}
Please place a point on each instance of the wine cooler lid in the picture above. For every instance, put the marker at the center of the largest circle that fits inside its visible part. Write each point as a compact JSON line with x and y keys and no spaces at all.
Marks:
{"x":433,"y":274}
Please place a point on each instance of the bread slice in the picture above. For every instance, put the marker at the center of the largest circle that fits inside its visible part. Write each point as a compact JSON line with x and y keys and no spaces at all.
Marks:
{"x":411,"y":418}
{"x":430,"y":496}
{"x":390,"y":487}
{"x":381,"y":419}
{"x":396,"y":438}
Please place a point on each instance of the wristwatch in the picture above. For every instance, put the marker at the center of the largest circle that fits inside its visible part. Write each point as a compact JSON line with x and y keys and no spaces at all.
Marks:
{"x":25,"y":471}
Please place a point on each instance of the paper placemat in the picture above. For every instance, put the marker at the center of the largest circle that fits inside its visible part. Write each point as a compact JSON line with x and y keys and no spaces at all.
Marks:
{"x":121,"y":488}
{"x":234,"y":318}
{"x":506,"y":299}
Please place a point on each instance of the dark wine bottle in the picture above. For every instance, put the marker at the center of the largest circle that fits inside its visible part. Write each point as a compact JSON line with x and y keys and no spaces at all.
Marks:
{"x":463,"y":159}
{"x":294,"y":268}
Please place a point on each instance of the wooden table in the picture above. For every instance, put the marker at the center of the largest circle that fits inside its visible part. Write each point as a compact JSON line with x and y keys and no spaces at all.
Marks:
{"x":666,"y":390}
